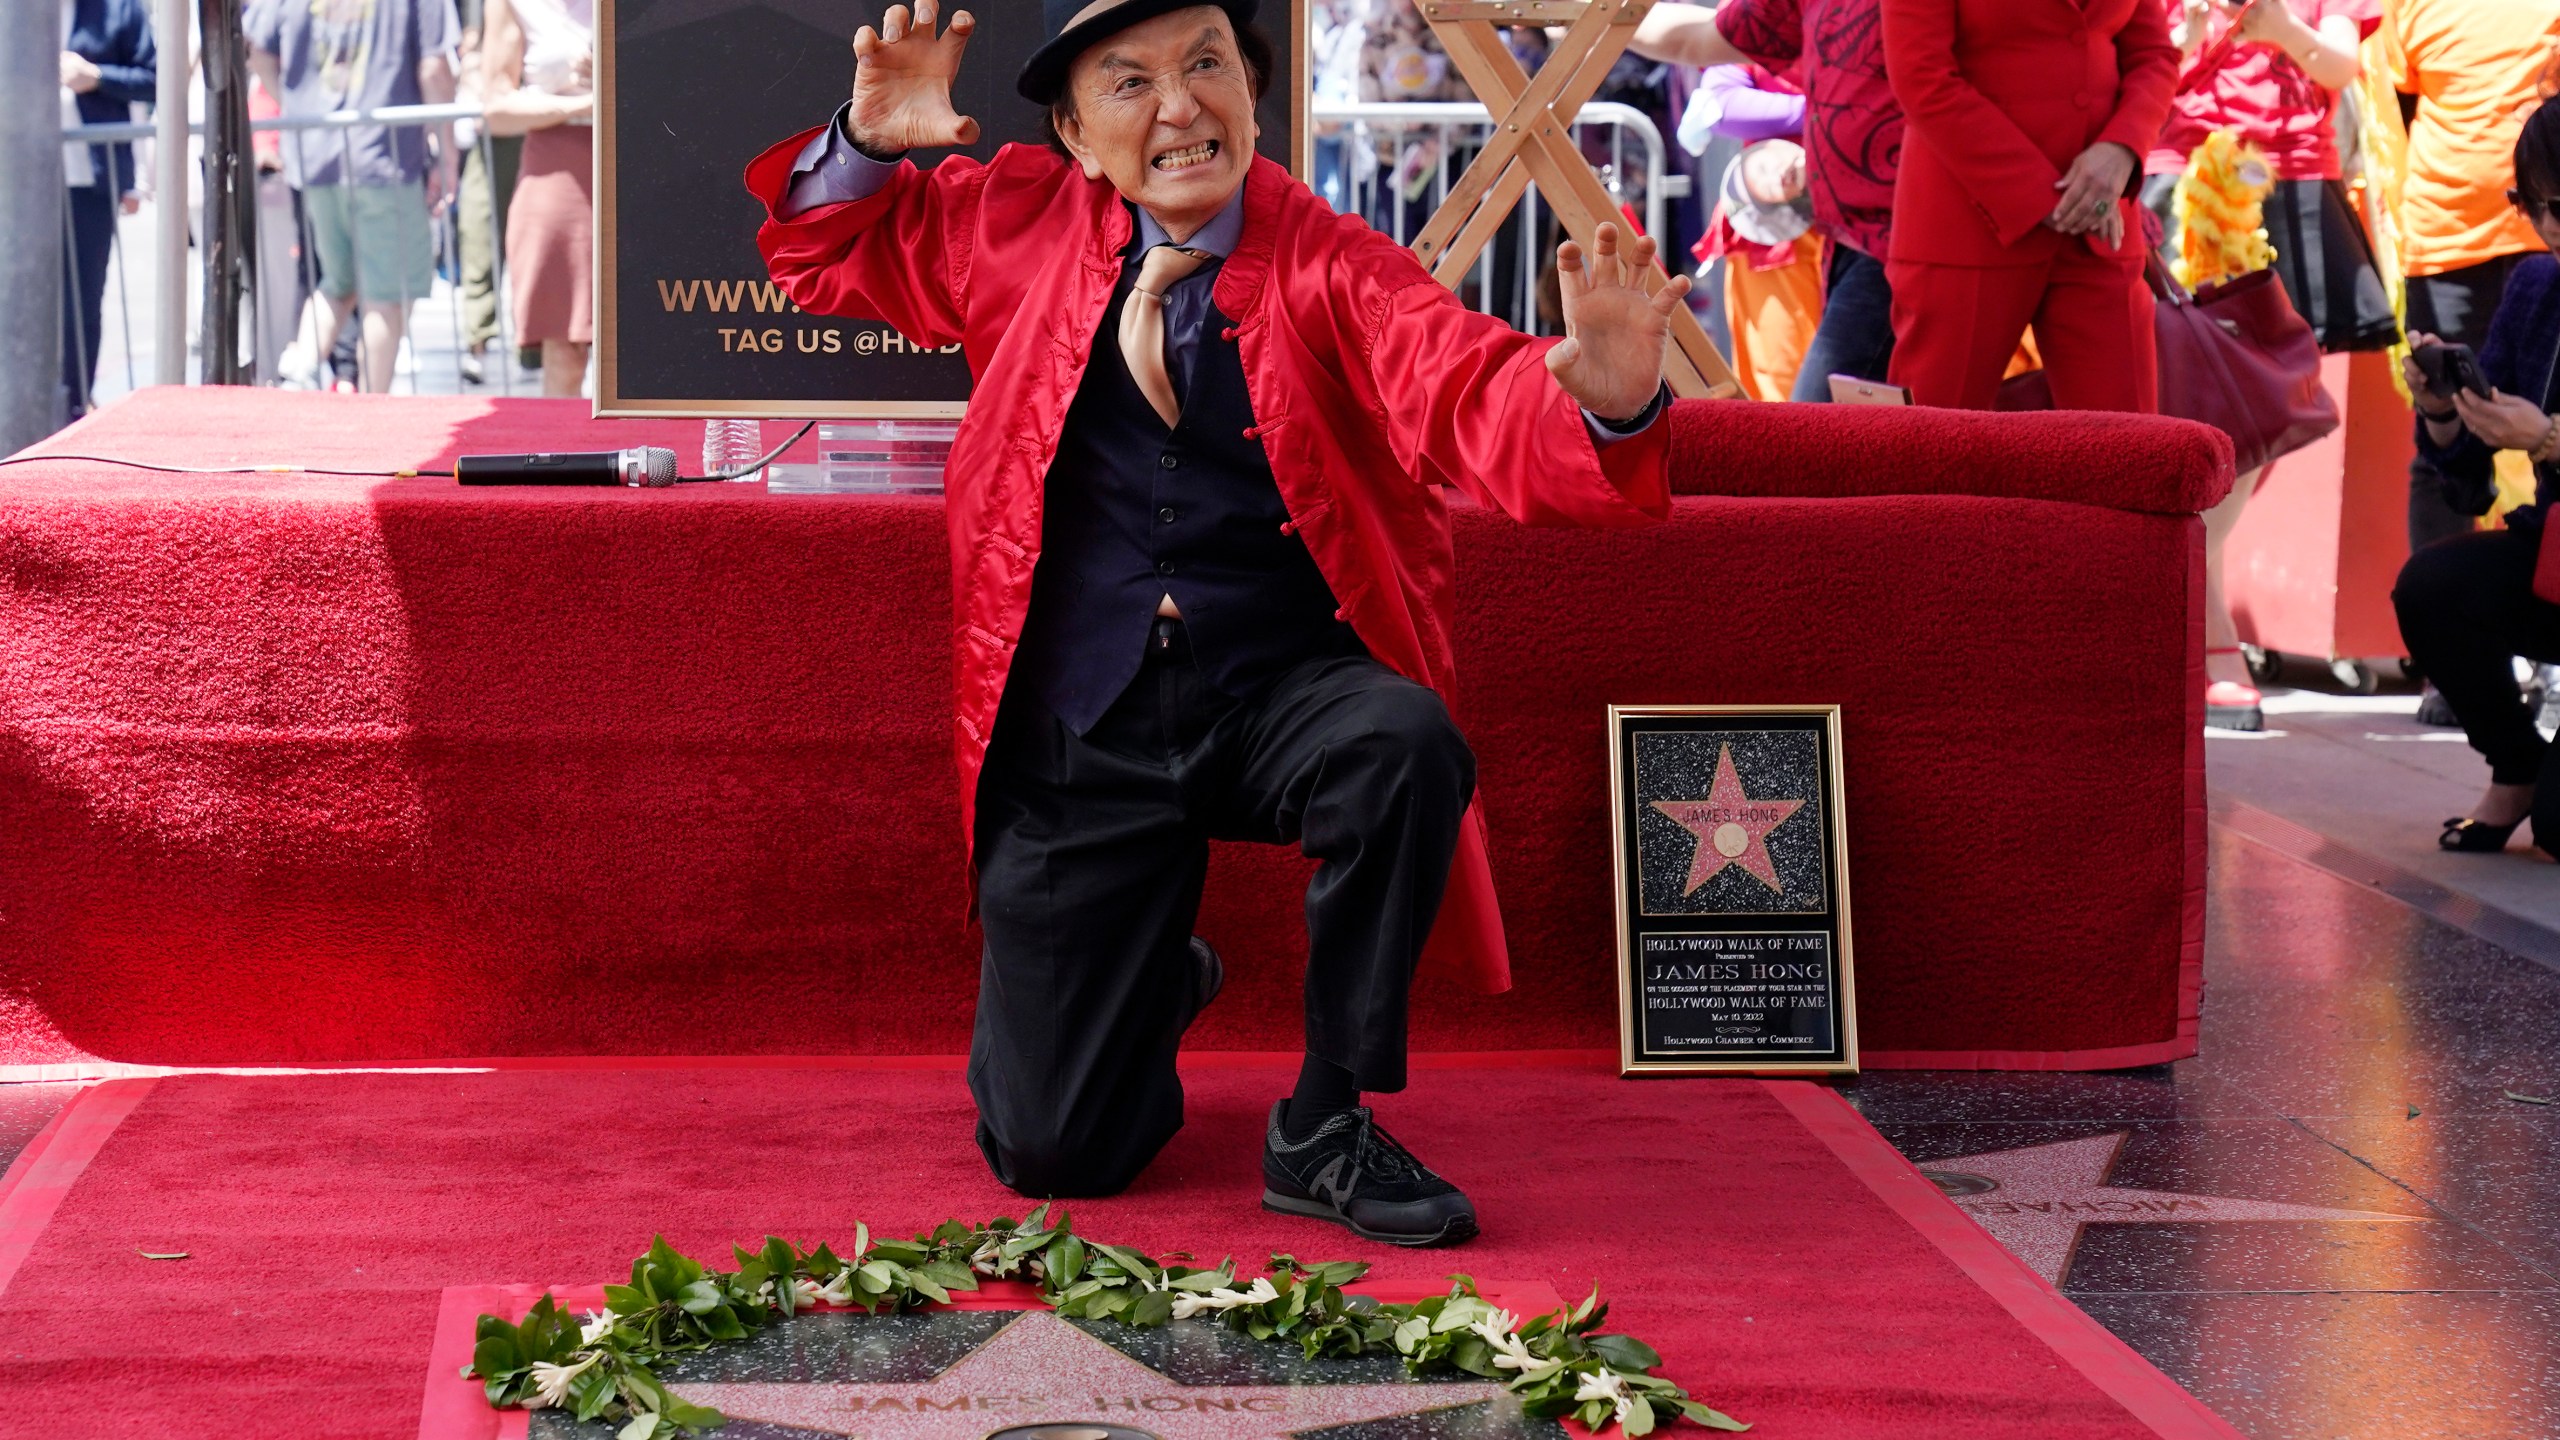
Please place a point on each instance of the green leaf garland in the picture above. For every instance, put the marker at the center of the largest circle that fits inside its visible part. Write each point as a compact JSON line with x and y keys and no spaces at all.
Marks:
{"x":605,"y":1368}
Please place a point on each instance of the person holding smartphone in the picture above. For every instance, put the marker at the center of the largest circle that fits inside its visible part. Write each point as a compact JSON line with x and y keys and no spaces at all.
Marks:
{"x":2467,"y":604}
{"x":2473,"y":70}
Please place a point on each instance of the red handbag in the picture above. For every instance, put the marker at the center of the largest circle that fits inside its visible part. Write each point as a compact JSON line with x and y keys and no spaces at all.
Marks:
{"x":2234,"y":356}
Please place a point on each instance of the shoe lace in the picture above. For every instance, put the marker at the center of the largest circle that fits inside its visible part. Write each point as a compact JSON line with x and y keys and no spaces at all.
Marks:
{"x":1378,"y":1154}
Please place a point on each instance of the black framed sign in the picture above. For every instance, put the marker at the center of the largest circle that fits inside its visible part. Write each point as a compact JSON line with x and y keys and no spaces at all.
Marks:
{"x":1733,"y":890}
{"x":687,"y":92}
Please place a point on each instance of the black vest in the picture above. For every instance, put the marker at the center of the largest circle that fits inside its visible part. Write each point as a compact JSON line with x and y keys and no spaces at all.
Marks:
{"x":1134,"y":512}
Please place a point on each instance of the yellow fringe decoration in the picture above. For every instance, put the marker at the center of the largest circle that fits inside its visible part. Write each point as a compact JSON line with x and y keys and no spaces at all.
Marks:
{"x":2221,"y":212}
{"x":2385,"y":154}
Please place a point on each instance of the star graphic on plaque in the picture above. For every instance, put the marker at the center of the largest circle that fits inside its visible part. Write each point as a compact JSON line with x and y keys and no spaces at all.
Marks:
{"x":1732,"y":828}
{"x":964,"y":1375}
{"x":2035,"y":1200}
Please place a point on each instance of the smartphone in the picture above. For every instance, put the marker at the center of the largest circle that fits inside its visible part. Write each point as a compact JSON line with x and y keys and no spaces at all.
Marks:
{"x":1850,"y":390}
{"x":2449,"y":368}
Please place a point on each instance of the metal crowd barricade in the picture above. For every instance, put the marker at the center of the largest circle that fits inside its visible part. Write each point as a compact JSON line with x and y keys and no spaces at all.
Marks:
{"x":1378,"y":140}
{"x":343,"y":122}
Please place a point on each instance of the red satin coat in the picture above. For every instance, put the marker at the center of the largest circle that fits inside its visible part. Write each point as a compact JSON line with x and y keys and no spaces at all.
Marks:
{"x":1372,"y":389}
{"x":2000,"y":96}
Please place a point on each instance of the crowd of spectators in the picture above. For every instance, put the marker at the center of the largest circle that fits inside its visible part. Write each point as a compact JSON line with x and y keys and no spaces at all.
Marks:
{"x":356,"y":222}
{"x":371,"y":203}
{"x":1955,"y":124}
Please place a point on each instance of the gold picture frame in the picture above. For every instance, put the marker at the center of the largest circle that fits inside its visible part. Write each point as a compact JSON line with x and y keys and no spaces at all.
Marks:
{"x":1759,"y":1019}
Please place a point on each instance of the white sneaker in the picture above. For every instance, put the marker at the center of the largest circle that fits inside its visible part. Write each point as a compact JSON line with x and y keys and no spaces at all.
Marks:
{"x":297,"y":368}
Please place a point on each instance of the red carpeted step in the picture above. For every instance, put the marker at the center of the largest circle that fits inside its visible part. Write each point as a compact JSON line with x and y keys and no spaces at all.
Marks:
{"x":312,"y":769}
{"x":1759,"y":1235}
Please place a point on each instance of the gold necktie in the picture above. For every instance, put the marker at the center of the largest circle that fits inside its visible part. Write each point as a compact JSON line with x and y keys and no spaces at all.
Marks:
{"x":1142,"y":325}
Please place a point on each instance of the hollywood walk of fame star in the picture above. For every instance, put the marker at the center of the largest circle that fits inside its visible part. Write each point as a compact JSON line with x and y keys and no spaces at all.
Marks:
{"x":1040,"y":1368}
{"x":2034,"y":1200}
{"x":1732,"y":828}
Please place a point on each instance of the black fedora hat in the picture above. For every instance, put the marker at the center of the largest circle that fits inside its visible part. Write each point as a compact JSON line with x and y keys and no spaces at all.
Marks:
{"x":1075,"y":25}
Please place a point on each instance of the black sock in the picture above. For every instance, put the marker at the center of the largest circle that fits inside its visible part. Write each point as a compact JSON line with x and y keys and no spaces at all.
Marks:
{"x":1324,"y":1091}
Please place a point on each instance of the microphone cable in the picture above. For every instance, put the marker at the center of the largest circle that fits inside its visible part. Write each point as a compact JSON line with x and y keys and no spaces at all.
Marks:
{"x":220,"y":469}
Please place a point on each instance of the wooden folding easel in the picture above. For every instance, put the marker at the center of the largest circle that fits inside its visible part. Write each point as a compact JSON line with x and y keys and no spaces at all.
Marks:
{"x":1533,"y":141}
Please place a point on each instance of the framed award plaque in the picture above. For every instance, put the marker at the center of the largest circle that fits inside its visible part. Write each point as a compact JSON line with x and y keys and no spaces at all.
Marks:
{"x":1733,"y":890}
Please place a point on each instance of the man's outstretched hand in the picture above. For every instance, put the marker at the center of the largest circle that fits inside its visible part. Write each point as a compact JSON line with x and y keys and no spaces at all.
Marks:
{"x":1610,"y":360}
{"x":902,"y":82}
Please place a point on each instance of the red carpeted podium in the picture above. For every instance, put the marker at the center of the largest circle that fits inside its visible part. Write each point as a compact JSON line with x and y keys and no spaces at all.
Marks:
{"x":313,"y":769}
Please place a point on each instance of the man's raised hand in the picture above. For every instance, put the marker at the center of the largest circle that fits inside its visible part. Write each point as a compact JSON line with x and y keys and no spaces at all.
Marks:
{"x":1610,"y":360}
{"x":902,"y":76}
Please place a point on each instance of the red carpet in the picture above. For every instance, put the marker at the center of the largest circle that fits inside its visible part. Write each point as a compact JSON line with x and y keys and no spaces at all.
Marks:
{"x":295,"y":768}
{"x":1788,"y":1265}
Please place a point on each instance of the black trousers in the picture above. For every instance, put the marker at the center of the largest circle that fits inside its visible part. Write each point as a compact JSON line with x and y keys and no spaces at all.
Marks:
{"x":2455,"y":307}
{"x":1091,"y":854}
{"x":92,"y":240}
{"x":2466,"y":605}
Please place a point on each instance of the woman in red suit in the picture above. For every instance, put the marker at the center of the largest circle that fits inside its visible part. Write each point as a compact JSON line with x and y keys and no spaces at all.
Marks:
{"x":2028,"y":120}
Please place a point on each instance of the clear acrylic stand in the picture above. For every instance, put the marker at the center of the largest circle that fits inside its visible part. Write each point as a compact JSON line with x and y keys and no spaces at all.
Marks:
{"x":871,"y":457}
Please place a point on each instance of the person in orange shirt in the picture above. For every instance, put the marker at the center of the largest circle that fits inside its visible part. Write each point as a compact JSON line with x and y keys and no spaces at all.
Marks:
{"x":2028,"y":119}
{"x":2476,"y":69}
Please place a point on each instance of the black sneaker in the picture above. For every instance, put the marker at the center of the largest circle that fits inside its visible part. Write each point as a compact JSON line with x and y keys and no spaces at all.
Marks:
{"x":1353,"y":1173}
{"x":2434,"y":709}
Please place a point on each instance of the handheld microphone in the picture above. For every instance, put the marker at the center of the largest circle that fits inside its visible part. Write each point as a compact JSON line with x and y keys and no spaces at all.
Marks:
{"x":652,"y":466}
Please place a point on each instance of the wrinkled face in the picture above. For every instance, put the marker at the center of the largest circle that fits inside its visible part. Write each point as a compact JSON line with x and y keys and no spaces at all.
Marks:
{"x":1164,"y":111}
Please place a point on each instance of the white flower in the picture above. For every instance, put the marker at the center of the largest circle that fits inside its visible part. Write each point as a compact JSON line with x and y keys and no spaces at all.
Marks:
{"x":1610,"y":1386}
{"x":838,"y":1291}
{"x":551,"y":1382}
{"x":989,"y":1259}
{"x":1189,"y":1303}
{"x":1510,"y":1352}
{"x":805,"y":1292}
{"x":599,"y":1325}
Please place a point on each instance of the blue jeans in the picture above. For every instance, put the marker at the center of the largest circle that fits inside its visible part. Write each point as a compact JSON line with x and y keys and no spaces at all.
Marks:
{"x":1856,"y":333}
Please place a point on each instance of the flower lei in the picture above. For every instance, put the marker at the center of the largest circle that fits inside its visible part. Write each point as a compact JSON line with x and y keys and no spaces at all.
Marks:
{"x":606,"y":1366}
